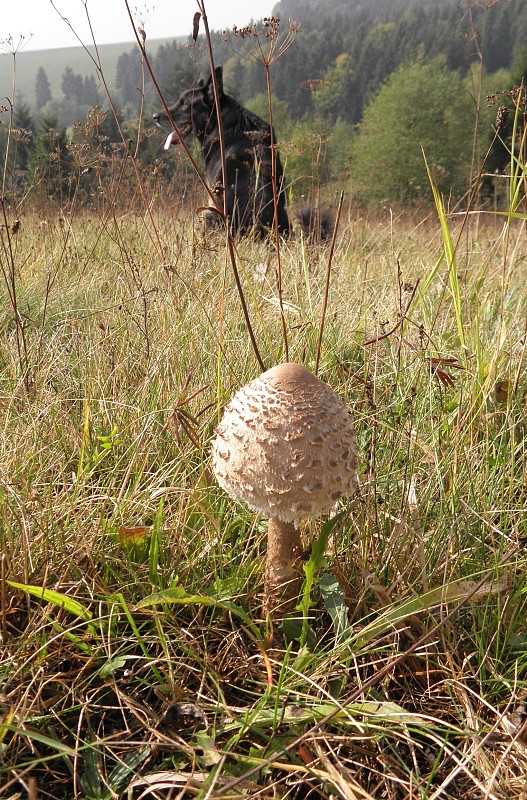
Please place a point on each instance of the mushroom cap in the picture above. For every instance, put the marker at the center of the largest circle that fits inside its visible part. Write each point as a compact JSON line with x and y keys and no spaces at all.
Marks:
{"x":286,"y":445}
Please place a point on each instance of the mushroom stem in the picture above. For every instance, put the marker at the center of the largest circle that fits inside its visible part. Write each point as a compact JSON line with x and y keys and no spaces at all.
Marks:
{"x":282,"y":579}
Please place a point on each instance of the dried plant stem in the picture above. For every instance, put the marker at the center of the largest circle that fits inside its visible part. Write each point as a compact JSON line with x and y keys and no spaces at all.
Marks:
{"x":276,"y":190}
{"x":3,"y":597}
{"x":228,"y":233}
{"x":328,"y":279}
{"x":9,"y":275}
{"x":222,"y":212}
{"x":96,"y":60}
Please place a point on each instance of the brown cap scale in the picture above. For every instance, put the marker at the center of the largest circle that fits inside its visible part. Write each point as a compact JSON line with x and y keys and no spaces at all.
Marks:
{"x":286,"y":447}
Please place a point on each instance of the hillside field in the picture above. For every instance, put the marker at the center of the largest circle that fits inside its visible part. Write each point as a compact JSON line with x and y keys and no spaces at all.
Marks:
{"x":55,"y":62}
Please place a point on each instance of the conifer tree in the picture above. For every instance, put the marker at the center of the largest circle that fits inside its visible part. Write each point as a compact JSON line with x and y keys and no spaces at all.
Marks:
{"x":23,"y":129}
{"x":42,"y":89}
{"x":50,"y":162}
{"x":72,"y":86}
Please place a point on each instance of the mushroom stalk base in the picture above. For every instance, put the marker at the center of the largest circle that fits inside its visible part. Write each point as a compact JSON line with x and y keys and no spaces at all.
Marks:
{"x":282,"y":578}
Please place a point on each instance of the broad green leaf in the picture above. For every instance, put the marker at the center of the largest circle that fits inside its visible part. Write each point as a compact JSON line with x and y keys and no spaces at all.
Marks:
{"x":335,"y":605}
{"x":296,"y":715}
{"x":57,"y":599}
{"x":211,"y":755}
{"x":109,"y":667}
{"x":297,"y":628}
{"x":129,"y":762}
{"x":316,"y":562}
{"x":178,"y":596}
{"x":119,"y":777}
{"x":91,"y":777}
{"x":450,"y":593}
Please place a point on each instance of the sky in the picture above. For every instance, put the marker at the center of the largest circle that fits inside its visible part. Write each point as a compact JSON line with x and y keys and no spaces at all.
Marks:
{"x":40,"y":22}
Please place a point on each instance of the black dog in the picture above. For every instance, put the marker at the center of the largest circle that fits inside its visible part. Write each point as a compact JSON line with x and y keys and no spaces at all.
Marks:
{"x":247,"y":143}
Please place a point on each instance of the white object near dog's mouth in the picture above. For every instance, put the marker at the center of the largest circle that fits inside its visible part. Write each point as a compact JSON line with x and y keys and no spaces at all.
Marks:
{"x":169,"y":138}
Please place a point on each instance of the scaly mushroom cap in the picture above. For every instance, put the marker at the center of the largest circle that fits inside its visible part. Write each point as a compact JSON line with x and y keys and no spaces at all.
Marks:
{"x":286,"y":445}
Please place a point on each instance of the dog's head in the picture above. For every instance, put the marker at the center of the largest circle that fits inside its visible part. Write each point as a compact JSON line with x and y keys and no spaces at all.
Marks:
{"x":193,"y":112}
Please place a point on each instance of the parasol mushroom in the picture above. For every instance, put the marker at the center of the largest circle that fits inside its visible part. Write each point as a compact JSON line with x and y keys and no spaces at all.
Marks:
{"x":286,"y":447}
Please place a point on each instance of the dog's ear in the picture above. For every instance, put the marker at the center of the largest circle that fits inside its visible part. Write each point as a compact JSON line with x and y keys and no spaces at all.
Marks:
{"x":218,"y":74}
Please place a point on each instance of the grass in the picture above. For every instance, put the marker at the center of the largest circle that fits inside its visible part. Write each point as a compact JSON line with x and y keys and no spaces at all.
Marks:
{"x":134,"y":657}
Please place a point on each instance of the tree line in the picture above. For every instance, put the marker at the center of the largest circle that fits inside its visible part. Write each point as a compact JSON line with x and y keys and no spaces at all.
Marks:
{"x":78,"y":94}
{"x":359,"y":95}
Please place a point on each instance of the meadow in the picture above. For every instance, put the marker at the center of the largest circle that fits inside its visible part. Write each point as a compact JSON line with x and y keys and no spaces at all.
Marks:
{"x":137,"y":656}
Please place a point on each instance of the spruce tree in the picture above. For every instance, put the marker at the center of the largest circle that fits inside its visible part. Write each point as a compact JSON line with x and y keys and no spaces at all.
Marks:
{"x":42,"y":89}
{"x":50,"y":163}
{"x":23,"y":129}
{"x":72,"y":86}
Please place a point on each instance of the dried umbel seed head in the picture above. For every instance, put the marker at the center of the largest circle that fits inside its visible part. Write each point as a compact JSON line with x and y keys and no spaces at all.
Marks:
{"x":502,"y":116}
{"x":286,"y":445}
{"x":218,"y":190}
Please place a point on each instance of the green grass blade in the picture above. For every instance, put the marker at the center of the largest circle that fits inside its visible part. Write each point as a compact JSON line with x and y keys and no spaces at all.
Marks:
{"x":155,"y":546}
{"x":450,"y":254}
{"x":450,"y":593}
{"x":179,"y":596}
{"x":54,"y":744}
{"x":58,"y":599}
